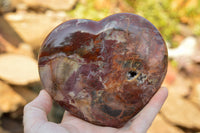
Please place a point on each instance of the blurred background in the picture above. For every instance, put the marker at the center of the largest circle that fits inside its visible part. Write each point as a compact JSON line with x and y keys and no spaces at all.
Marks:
{"x":24,"y":24}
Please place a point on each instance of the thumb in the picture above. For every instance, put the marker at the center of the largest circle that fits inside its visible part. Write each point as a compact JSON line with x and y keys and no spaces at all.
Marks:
{"x":36,"y":111}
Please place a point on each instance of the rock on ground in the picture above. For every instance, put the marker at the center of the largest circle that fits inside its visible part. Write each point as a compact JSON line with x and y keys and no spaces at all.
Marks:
{"x":32,"y":27}
{"x":52,"y":4}
{"x":176,"y":83}
{"x":9,"y":100}
{"x":195,"y":94}
{"x":18,"y":69}
{"x":9,"y":35}
{"x":181,"y":111}
{"x":159,"y":125}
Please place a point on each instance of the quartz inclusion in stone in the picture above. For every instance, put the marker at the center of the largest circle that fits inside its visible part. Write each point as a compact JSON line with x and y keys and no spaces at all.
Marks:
{"x":103,"y":72}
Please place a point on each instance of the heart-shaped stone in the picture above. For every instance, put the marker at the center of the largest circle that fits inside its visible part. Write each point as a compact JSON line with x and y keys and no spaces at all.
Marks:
{"x":103,"y":72}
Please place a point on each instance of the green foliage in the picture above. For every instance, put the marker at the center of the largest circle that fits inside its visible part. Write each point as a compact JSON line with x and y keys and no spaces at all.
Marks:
{"x":193,"y":13}
{"x":196,"y":29}
{"x":88,"y":11}
{"x":160,"y":14}
{"x":174,"y":63}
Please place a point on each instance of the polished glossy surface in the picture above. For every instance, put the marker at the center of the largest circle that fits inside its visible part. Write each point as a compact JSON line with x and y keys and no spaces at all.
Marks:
{"x":103,"y":72}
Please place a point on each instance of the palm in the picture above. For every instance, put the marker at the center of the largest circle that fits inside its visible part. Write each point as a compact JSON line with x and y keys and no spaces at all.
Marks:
{"x":35,"y":118}
{"x":79,"y":125}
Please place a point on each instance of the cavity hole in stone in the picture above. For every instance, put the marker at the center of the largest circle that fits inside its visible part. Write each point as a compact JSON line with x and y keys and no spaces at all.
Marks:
{"x":131,"y":75}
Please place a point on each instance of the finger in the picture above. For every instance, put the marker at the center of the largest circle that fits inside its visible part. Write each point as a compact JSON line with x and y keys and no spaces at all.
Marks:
{"x":35,"y":112}
{"x":144,"y":119}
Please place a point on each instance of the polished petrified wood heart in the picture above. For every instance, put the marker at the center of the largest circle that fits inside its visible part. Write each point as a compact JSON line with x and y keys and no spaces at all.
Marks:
{"x":103,"y":72}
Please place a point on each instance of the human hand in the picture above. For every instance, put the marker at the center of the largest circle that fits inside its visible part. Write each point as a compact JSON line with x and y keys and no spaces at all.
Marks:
{"x":35,"y":118}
